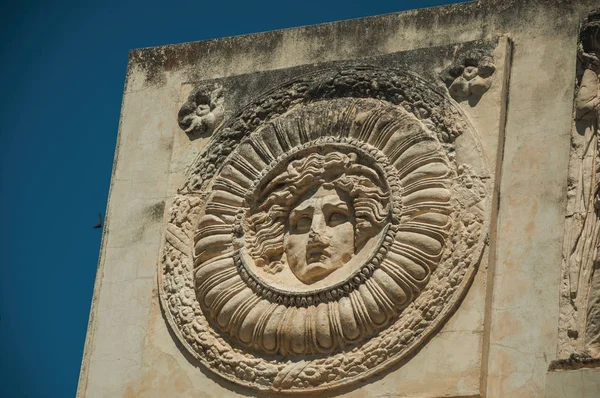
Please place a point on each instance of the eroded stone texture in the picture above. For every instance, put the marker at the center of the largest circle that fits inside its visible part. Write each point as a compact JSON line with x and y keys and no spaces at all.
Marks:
{"x":203,"y":111}
{"x":470,"y":77}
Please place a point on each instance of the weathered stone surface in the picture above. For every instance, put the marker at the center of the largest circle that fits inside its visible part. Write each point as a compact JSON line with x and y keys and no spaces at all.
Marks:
{"x":584,"y":383}
{"x":379,"y":216}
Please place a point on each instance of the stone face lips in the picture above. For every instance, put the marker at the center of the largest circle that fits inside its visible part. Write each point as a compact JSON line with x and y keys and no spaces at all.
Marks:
{"x":340,"y":225}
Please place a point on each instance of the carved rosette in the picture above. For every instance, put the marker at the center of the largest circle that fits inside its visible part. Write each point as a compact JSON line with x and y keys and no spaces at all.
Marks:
{"x":379,"y":145}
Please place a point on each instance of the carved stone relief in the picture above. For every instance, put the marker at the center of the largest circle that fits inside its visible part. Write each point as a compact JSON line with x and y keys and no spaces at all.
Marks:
{"x":325,"y":233}
{"x":469,"y":78}
{"x":203,"y":111}
{"x":580,"y":298}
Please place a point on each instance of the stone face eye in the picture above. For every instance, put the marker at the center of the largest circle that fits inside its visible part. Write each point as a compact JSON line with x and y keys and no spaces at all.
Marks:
{"x":337,"y":218}
{"x":303,"y":224}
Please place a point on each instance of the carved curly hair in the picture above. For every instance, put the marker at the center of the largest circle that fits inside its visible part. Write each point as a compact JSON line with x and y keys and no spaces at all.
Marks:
{"x":332,"y":170}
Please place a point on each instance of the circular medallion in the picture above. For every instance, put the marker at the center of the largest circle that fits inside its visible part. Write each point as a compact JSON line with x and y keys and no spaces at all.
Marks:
{"x":327,"y":222}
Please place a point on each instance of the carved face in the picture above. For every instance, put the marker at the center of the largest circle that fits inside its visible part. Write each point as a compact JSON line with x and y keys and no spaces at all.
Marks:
{"x":307,"y":222}
{"x":320,"y":234}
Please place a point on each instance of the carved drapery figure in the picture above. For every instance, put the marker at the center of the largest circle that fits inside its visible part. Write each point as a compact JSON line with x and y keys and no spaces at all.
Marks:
{"x":588,"y":108}
{"x":584,"y":254}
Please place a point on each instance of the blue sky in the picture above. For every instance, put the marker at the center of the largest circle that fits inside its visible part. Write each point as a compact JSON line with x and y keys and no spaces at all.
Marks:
{"x":62,"y":73}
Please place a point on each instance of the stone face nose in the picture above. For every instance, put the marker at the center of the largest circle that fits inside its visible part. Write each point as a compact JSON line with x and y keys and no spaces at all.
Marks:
{"x":318,"y":227}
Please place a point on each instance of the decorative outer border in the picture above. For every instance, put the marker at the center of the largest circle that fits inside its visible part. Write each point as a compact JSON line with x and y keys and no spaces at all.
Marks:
{"x":419,"y":321}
